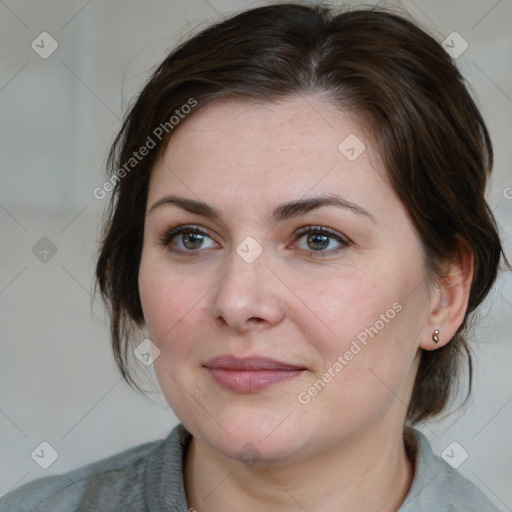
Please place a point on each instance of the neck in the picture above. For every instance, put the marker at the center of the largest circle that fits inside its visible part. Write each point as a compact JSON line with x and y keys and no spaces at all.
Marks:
{"x":370,"y":472}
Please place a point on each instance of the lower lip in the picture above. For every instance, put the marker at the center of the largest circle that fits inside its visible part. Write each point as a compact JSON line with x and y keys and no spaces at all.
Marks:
{"x":250,"y":381}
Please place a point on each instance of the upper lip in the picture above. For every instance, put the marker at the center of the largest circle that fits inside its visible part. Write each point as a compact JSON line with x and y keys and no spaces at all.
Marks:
{"x":230,"y":362}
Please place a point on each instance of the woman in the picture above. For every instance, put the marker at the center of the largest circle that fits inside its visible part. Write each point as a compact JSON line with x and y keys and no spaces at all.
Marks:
{"x":299,"y":223}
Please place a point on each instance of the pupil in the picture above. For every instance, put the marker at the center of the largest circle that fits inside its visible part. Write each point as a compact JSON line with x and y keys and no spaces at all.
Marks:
{"x":314,"y":239}
{"x":189,"y":238}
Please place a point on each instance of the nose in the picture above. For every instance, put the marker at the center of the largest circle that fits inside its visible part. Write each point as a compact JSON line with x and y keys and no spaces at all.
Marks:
{"x":247,"y":296}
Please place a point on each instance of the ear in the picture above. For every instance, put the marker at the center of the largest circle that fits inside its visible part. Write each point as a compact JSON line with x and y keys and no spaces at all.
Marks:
{"x":449,"y":298}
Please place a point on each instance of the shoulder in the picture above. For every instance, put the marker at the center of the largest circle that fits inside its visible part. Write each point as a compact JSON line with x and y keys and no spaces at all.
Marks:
{"x":437,"y":486}
{"x":101,"y":481}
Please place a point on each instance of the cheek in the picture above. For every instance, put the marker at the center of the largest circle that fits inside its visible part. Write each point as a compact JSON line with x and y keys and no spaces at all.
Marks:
{"x":366,"y":336}
{"x":335,"y":308}
{"x":173,"y":310}
{"x":169,"y":301}
{"x":166,"y":296}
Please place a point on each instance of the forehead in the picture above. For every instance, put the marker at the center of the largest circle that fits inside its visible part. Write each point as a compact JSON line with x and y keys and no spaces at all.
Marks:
{"x":300,"y":123}
{"x":257,"y":149}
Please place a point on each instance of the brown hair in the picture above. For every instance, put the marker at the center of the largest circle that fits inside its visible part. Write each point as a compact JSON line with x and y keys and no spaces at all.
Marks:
{"x":432,"y":138}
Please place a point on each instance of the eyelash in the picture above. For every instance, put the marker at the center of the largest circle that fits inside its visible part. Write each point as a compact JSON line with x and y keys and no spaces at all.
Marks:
{"x":167,"y":236}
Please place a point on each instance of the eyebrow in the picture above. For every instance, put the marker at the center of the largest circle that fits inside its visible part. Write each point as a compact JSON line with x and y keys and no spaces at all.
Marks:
{"x":280,"y":213}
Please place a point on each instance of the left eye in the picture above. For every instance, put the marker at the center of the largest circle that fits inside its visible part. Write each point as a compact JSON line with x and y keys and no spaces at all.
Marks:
{"x":318,"y":239}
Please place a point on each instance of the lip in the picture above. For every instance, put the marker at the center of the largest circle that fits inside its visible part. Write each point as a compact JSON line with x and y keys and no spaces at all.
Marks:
{"x":250,"y":374}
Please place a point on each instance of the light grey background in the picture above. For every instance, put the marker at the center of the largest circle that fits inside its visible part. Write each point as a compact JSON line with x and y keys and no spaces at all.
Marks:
{"x":59,"y":383}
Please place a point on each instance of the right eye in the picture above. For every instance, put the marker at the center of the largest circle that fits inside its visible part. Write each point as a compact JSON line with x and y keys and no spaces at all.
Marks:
{"x":187,"y":239}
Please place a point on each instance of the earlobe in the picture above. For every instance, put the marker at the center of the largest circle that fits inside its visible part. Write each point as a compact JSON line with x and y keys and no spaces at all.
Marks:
{"x":450,"y":300}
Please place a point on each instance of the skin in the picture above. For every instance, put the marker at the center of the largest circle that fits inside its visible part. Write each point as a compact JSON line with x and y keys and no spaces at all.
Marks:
{"x":343,"y":450}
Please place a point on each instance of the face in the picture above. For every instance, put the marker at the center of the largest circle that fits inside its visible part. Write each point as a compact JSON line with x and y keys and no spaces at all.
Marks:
{"x":294,"y":328}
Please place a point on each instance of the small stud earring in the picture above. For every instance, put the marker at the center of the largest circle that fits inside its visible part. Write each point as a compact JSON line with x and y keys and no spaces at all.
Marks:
{"x":435,"y":336}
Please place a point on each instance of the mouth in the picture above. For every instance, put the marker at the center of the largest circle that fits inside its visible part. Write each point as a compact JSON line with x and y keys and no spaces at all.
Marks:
{"x":250,"y":374}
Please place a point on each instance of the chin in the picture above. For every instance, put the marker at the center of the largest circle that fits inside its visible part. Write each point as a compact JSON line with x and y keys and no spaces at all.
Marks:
{"x":254,"y":449}
{"x":253,"y":438}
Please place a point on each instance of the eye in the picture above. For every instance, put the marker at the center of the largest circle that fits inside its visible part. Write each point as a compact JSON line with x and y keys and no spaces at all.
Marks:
{"x":188,"y":239}
{"x":319,"y":238}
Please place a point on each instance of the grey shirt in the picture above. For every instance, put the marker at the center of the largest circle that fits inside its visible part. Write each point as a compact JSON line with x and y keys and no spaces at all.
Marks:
{"x":149,"y":478}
